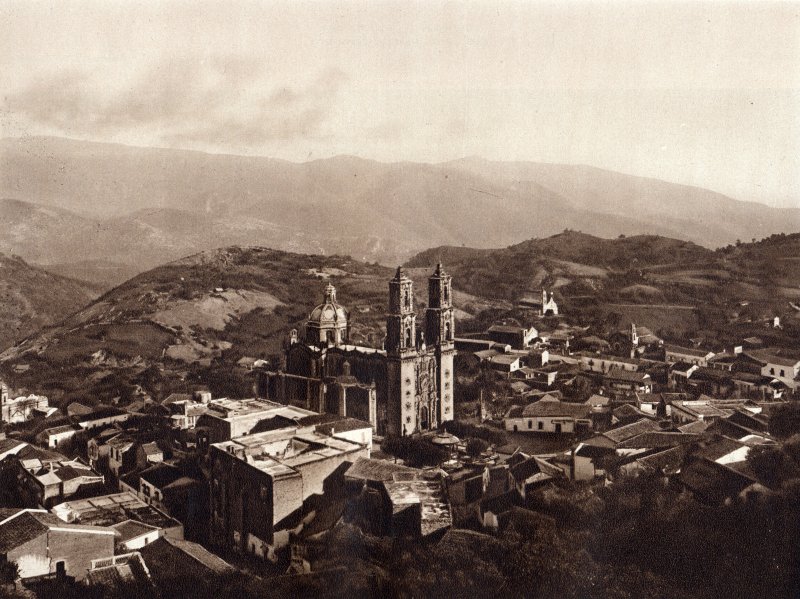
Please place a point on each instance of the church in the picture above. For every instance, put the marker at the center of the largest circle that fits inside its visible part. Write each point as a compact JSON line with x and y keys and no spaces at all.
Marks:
{"x":403,"y":388}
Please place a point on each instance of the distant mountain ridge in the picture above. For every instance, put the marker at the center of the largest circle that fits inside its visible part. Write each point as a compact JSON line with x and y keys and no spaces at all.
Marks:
{"x":142,"y":206}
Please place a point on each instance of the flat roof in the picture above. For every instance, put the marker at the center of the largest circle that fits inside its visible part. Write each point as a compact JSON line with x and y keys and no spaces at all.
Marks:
{"x":107,"y":510}
{"x":428,"y":494}
{"x":282,"y":452}
{"x":232,"y":408}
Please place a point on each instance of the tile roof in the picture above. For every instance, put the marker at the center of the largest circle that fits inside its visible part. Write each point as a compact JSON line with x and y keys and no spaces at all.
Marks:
{"x":175,"y":397}
{"x":668,"y":461}
{"x":9,"y":444}
{"x":702,"y":409}
{"x":597,"y":400}
{"x":713,"y":482}
{"x":326,"y":516}
{"x":772,"y":356}
{"x":609,"y":358}
{"x":657,"y":439}
{"x":618,"y":374}
{"x":550,"y":407}
{"x":31,"y":452}
{"x":201,"y":555}
{"x":167,"y":556}
{"x":7,"y":512}
{"x":57,"y":430}
{"x":586,"y":450}
{"x":29,"y":524}
{"x":19,"y":530}
{"x":76,"y":409}
{"x":101,"y":412}
{"x":130,"y":529}
{"x":628,"y":431}
{"x":687,"y":351}
{"x":719,"y":447}
{"x":160,"y":475}
{"x":532,"y":467}
{"x":504,"y":359}
{"x":500,"y":328}
{"x":628,"y":411}
{"x":119,"y":573}
{"x":698,"y":426}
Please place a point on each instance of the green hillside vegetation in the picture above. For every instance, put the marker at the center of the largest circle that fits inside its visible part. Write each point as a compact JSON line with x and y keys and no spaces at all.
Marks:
{"x":31,"y":298}
{"x":185,"y":324}
{"x":674,"y":287}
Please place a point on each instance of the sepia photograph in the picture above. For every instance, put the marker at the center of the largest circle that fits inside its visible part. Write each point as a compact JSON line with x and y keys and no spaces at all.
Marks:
{"x":343,"y":299}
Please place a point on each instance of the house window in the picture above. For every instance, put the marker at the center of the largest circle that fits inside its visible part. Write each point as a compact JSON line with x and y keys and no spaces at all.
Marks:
{"x":530,"y":424}
{"x":772,"y":371}
{"x":541,"y":425}
{"x":783,"y":372}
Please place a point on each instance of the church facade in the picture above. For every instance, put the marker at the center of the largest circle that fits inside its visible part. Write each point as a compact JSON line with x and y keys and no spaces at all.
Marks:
{"x":405,"y":387}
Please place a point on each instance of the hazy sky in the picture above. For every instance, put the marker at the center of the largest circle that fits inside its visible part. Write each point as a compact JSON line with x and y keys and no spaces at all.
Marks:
{"x":706,"y":94}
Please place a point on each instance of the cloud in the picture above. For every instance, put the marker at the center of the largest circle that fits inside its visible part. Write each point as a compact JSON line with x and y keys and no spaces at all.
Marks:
{"x":217,"y":100}
{"x":284,"y":114}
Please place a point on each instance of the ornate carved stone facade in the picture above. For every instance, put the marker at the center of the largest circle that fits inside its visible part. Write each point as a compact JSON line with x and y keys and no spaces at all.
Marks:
{"x":403,"y":388}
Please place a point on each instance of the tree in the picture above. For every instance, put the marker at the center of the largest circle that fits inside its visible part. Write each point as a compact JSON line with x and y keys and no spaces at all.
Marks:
{"x":785,"y":420}
{"x":475,"y":447}
{"x":9,"y":572}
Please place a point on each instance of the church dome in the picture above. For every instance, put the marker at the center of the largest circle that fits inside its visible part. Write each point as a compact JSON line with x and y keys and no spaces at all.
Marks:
{"x":329,"y":312}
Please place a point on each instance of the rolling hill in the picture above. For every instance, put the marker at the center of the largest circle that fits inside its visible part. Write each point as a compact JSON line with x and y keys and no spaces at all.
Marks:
{"x":141,"y":207}
{"x":31,"y":298}
{"x":673,"y":286}
{"x":187,"y":322}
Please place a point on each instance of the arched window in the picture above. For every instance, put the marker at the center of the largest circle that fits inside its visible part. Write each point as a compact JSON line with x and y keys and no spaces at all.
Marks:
{"x":447,"y":333}
{"x":408,"y":337}
{"x":446,"y":293}
{"x":407,"y":299}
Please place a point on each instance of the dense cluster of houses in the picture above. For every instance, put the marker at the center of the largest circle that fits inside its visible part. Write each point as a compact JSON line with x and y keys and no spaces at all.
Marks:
{"x":245,"y":476}
{"x":104,"y":493}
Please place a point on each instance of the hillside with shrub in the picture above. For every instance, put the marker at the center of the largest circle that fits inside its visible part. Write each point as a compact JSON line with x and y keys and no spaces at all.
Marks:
{"x":32,"y":298}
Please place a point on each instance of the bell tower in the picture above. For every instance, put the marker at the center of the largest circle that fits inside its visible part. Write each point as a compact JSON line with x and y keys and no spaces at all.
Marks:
{"x":440,"y":332}
{"x":401,"y":356}
{"x":401,"y":322}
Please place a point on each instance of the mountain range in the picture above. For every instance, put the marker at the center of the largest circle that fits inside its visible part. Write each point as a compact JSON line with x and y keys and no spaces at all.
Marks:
{"x":104,"y":211}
